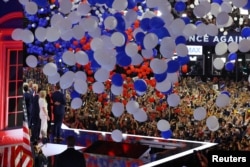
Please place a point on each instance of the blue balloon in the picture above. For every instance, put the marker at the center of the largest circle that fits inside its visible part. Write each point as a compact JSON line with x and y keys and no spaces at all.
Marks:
{"x":180,"y":40}
{"x":218,"y":1}
{"x":74,"y":94}
{"x":156,"y":22}
{"x":170,"y":91}
{"x":183,"y":60}
{"x":131,"y":4}
{"x":109,"y":3}
{"x":41,"y":3}
{"x":198,"y":22}
{"x":245,"y":32}
{"x":186,"y":20}
{"x":180,"y":6}
{"x":123,"y":59}
{"x":140,"y":85}
{"x":145,"y":24}
{"x":161,"y":32}
{"x":101,"y":1}
{"x":247,"y":6}
{"x":173,"y":66}
{"x":117,"y":79}
{"x":229,"y":66}
{"x":121,"y":26}
{"x":139,"y":37}
{"x":232,"y":56}
{"x":166,"y":134}
{"x":160,"y":77}
{"x":226,"y":93}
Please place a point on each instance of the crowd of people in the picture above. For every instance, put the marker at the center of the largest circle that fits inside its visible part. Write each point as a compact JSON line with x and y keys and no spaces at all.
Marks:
{"x":96,"y":114}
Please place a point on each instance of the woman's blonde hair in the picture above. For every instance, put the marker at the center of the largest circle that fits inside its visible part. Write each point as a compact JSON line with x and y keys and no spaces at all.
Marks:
{"x":42,"y":93}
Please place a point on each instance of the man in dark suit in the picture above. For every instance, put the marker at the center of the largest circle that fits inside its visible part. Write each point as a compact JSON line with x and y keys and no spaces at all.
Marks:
{"x":70,"y":157}
{"x":59,"y":102}
{"x":35,"y":119}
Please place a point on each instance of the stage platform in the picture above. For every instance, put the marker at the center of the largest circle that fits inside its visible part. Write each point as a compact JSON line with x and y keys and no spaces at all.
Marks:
{"x":154,"y":150}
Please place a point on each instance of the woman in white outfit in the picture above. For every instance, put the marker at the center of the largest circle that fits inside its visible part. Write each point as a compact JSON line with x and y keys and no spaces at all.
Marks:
{"x":43,"y":114}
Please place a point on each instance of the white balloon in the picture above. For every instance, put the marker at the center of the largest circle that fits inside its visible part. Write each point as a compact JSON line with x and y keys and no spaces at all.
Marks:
{"x":150,"y":41}
{"x":80,"y":86}
{"x":202,"y":9}
{"x":96,"y":43}
{"x":130,"y":16}
{"x":90,"y":23}
{"x":140,"y":115}
{"x":120,"y":5}
{"x":212,"y":30}
{"x":67,"y":80}
{"x":54,"y":78}
{"x":116,"y":90}
{"x":74,"y":17}
{"x":131,"y":49}
{"x":68,"y":58}
{"x":181,"y":50}
{"x":172,"y":77}
{"x":233,"y":47}
{"x":168,"y":43}
{"x":56,"y":19}
{"x":212,"y":122}
{"x":96,"y":33}
{"x":81,"y":75}
{"x":189,"y":30}
{"x":226,"y":7}
{"x":222,"y":18}
{"x":220,"y":48}
{"x":101,"y":75}
{"x":118,"y":39}
{"x":65,"y":6}
{"x":147,"y":53}
{"x":173,"y":100}
{"x":107,"y":42}
{"x":83,"y":9}
{"x":81,"y":57}
{"x":52,"y":34}
{"x":98,"y":87}
{"x":23,"y":2}
{"x":27,"y":36}
{"x":163,"y":125}
{"x":201,"y":29}
{"x":78,"y":32}
{"x":50,"y":69}
{"x":137,"y":59}
{"x":222,"y":100}
{"x":17,"y":34}
{"x":200,"y":113}
{"x":132,"y":106}
{"x":110,"y":23}
{"x":215,"y":9}
{"x":117,"y":109}
{"x":76,"y":103}
{"x":163,"y":86}
{"x":218,"y":63}
{"x":31,"y":61}
{"x":239,"y":4}
{"x":31,"y":8}
{"x":67,"y":35}
{"x":40,"y":34}
{"x":116,"y":135}
{"x":244,"y":45}
{"x":158,"y":66}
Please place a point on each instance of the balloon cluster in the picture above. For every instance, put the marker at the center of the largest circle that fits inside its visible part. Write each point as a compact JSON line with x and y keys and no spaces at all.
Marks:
{"x":95,"y":37}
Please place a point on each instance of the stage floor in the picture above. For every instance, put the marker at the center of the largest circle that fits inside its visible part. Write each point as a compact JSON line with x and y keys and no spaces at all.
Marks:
{"x":162,"y":150}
